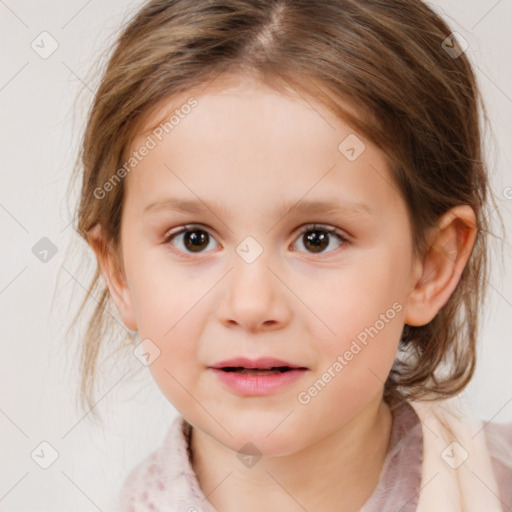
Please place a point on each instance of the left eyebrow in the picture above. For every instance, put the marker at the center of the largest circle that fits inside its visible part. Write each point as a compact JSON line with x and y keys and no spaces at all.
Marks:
{"x":330,"y":206}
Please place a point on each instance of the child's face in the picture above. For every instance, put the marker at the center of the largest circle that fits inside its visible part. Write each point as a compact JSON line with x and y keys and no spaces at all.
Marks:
{"x":245,"y":152}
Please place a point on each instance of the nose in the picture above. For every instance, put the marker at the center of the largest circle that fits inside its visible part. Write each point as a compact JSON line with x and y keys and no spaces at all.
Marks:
{"x":254,"y":297}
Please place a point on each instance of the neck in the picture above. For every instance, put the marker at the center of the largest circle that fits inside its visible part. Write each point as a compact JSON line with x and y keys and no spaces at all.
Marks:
{"x":339,"y":472}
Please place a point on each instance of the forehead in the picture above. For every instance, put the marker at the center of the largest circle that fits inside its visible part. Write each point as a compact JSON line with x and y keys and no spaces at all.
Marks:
{"x":243,"y":140}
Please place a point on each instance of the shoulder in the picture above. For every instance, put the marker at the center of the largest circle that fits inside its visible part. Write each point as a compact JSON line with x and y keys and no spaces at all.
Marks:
{"x":147,"y":483}
{"x":500,"y":433}
{"x":498,"y":437}
{"x":136,"y":484}
{"x":483,"y":447}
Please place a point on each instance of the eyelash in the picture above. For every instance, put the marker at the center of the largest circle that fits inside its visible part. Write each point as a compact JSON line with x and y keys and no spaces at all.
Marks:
{"x":309,"y":227}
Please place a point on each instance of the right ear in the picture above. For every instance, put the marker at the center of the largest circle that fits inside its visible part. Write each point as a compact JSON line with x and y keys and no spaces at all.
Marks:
{"x":113,"y":274}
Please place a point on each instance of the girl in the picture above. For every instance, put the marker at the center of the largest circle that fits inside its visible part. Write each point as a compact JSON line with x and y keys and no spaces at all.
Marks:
{"x":288,"y":205}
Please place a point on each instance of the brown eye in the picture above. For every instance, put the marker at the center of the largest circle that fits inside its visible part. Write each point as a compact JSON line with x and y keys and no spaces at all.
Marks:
{"x":317,"y":238}
{"x":190,"y":239}
{"x":195,"y":241}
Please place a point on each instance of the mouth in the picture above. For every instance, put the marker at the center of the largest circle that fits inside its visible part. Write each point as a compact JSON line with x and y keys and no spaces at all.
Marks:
{"x":260,"y":377}
{"x":260,"y":366}
{"x":258,"y":371}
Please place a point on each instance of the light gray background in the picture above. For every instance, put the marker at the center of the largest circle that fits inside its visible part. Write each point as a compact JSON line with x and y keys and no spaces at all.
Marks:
{"x":38,"y":141}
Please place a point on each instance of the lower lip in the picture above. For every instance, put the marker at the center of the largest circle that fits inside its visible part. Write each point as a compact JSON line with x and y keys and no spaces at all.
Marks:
{"x":258,"y":385}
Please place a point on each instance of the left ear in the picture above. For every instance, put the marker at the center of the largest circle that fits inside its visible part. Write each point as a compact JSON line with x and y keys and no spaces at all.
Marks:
{"x":450,"y":245}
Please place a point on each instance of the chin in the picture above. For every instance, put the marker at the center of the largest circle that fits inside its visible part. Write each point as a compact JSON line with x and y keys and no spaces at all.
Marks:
{"x":259,"y":438}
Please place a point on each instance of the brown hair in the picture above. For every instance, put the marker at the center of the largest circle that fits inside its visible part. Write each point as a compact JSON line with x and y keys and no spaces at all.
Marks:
{"x":411,"y":97}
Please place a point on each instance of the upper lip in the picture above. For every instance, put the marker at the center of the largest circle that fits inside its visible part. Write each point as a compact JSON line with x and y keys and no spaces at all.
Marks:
{"x":262,"y":363}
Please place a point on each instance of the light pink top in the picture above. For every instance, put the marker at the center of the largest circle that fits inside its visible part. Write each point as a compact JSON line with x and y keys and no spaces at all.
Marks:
{"x":165,"y":480}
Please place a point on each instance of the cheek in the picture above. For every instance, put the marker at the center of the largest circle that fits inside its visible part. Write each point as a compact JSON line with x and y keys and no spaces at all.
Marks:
{"x":172,"y":320}
{"x":163,"y":292}
{"x":170,"y":312}
{"x":361,"y":316}
{"x":175,"y":327}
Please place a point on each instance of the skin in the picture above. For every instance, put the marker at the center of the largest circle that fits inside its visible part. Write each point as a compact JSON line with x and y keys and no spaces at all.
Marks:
{"x":249,"y":148}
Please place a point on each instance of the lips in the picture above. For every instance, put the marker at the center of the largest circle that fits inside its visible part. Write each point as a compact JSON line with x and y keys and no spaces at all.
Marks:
{"x":262,"y":365}
{"x":257,"y":377}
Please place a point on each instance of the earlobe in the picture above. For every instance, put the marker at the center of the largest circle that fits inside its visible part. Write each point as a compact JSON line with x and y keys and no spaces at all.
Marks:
{"x":450,"y":245}
{"x":113,"y":275}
